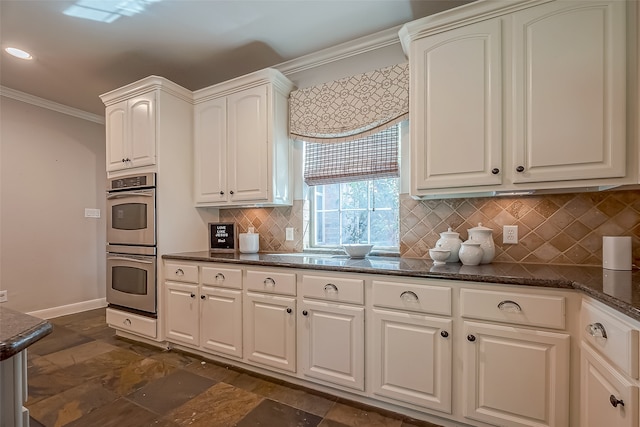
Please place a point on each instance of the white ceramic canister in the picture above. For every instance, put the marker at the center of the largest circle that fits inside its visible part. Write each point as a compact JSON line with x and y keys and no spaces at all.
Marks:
{"x":249,"y":243}
{"x":484,"y":236}
{"x":450,"y":240}
{"x":471,"y":252}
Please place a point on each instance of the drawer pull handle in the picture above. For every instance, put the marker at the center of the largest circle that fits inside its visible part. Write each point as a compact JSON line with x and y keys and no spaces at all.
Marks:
{"x":615,"y":401}
{"x":330,"y":287}
{"x":409,"y":296}
{"x":179,"y":272}
{"x":127,"y":322}
{"x":596,"y":330}
{"x":444,"y":334}
{"x":509,"y":306}
{"x":269,"y":282}
{"x":219,"y":277}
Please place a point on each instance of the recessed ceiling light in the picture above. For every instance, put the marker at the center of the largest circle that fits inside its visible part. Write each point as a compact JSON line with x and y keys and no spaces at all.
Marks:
{"x":18,"y":53}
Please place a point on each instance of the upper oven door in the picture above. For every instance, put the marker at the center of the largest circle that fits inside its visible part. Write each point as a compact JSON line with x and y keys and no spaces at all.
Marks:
{"x":131,"y":217}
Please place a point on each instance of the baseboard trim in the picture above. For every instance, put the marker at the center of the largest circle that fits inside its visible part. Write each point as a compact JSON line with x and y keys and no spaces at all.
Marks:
{"x":63,"y":310}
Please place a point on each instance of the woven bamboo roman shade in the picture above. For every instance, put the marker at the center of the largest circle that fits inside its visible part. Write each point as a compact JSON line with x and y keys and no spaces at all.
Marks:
{"x":352,"y":107}
{"x":372,"y":157}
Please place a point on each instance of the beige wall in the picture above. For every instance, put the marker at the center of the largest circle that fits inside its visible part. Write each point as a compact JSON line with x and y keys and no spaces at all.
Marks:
{"x":52,"y":167}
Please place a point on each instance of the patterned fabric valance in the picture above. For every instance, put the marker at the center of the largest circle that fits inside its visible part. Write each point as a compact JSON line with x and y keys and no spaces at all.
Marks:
{"x":350,"y":108}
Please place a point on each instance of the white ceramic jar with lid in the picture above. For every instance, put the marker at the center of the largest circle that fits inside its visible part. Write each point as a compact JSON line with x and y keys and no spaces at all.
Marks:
{"x":484,"y":236}
{"x":471,"y":252}
{"x":450,"y":240}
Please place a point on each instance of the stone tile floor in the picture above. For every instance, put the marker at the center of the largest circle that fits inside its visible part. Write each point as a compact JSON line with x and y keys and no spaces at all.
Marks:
{"x":83,"y":375}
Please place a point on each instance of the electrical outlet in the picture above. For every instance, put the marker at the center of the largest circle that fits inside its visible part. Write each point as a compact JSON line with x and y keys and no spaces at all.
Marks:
{"x":290,"y":233}
{"x":510,"y":234}
{"x":3,"y":296}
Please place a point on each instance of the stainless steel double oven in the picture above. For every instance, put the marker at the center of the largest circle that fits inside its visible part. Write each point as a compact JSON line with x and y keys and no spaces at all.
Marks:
{"x":131,"y":244}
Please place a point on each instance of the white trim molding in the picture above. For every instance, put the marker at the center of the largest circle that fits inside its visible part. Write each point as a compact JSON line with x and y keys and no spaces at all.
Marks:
{"x":44,"y":103}
{"x":63,"y":310}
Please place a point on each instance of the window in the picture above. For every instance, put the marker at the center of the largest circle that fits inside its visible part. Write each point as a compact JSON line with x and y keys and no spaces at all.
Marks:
{"x":354,"y":191}
{"x":356,"y":212}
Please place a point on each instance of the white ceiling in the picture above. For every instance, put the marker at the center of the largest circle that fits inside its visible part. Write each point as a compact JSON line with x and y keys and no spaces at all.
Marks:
{"x":193,"y":43}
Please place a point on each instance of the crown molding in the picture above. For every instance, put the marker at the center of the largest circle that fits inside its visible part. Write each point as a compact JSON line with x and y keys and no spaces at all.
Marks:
{"x":345,"y":50}
{"x":50,"y":105}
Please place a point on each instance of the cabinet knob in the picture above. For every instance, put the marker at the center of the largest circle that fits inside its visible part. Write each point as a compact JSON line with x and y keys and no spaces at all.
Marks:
{"x":495,"y":171}
{"x":615,"y":401}
{"x":444,"y":334}
{"x":289,"y":310}
{"x":202,"y":297}
{"x":193,"y":295}
{"x":222,"y":193}
{"x":520,"y":169}
{"x":304,"y":312}
{"x":123,"y":160}
{"x":471,"y":338}
{"x":231,"y":192}
{"x":596,"y":330}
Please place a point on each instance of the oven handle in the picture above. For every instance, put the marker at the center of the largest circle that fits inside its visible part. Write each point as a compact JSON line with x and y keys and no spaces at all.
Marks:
{"x":130,"y":194}
{"x":121,"y":258}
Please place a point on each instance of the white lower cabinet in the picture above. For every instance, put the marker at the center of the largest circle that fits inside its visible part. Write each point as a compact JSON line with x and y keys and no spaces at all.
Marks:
{"x":182,"y":313}
{"x":514,"y":376}
{"x":607,"y":397}
{"x":270,"y":330}
{"x":332,"y":343}
{"x":412,"y":359}
{"x":221,"y":320}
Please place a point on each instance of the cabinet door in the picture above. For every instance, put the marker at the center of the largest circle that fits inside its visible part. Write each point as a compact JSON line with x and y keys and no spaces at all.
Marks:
{"x":210,"y":149}
{"x":270,"y":330}
{"x":332,"y":343}
{"x":456,"y":138}
{"x":221,"y":320}
{"x":248,"y":155}
{"x":569,"y":91}
{"x":116,"y":121}
{"x":142,"y":129}
{"x":182,"y":312}
{"x":421,"y":376}
{"x":514,"y":376}
{"x":602,"y":387}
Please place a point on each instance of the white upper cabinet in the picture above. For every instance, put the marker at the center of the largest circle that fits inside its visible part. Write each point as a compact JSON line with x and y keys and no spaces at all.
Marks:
{"x":456,"y":110}
{"x":521,"y":96}
{"x":131,"y":132}
{"x":569,"y":91}
{"x":242,"y":148}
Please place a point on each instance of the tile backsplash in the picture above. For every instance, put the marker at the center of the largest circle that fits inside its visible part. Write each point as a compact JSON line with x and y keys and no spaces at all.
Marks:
{"x":557,"y":229}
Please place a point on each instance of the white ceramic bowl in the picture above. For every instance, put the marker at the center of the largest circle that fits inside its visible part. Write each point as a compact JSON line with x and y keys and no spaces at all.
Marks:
{"x":357,"y":250}
{"x":439,"y":256}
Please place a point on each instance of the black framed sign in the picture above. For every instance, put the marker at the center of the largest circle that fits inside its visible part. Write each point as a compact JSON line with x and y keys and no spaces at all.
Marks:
{"x":223,"y":237}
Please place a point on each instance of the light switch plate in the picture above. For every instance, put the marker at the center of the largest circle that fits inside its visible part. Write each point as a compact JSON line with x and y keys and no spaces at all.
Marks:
{"x":91,"y":213}
{"x":510,"y":234}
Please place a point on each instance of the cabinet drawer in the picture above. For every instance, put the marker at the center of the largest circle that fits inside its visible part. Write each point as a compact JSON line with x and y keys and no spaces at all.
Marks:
{"x":404,"y":296}
{"x":271,"y":282}
{"x":133,"y":323}
{"x":523,"y":309}
{"x":222,"y":277}
{"x":181,"y":272}
{"x":333,"y":288}
{"x":621,"y":343}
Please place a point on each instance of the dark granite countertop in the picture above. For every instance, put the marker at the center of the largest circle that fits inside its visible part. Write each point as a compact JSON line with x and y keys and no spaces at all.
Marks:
{"x":18,"y":331}
{"x":618,"y":289}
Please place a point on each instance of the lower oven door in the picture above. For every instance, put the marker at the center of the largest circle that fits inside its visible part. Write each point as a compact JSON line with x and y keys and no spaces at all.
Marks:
{"x":131,"y":281}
